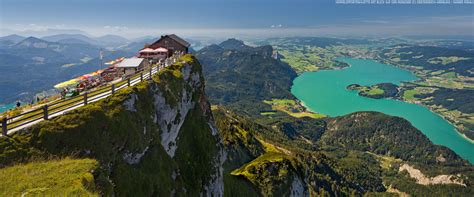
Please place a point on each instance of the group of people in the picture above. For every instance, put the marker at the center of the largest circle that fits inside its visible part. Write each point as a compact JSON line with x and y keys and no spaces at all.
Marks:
{"x":86,"y":84}
{"x":64,"y":92}
{"x":82,"y":86}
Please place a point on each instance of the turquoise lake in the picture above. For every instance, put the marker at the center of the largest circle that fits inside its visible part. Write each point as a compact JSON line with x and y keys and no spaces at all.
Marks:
{"x":5,"y":107}
{"x":325,"y":92}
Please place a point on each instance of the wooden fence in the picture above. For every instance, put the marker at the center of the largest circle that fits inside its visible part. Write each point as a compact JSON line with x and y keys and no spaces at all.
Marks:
{"x":57,"y":108}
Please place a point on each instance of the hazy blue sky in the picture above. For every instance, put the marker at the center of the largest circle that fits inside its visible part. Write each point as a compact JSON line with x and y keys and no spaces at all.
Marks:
{"x":138,"y":17}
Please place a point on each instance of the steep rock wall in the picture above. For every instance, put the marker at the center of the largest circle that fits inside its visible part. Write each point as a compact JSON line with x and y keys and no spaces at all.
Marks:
{"x":154,"y":139}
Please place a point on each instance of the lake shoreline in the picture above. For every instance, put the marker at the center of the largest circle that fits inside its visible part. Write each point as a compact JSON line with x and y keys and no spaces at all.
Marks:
{"x":332,"y":95}
{"x":381,"y":61}
{"x":458,"y":129}
{"x":6,"y":107}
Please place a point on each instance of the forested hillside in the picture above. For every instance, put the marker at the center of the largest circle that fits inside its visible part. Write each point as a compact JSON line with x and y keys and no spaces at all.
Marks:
{"x":242,"y":77}
{"x":360,"y":153}
{"x":163,"y":137}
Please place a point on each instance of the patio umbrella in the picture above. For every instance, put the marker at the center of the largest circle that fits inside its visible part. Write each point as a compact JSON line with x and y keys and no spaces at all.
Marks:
{"x":115,"y":61}
{"x":84,"y":77}
{"x":66,"y":83}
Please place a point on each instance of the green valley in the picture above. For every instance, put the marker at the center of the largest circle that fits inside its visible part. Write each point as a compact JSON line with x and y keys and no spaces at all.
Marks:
{"x":212,"y":98}
{"x":446,"y":80}
{"x":341,"y":142}
{"x":163,"y":137}
{"x":439,"y":65}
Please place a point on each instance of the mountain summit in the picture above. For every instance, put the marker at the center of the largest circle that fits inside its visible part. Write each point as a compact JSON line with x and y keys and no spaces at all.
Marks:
{"x":156,"y":138}
{"x":234,"y":44}
{"x":162,"y":137}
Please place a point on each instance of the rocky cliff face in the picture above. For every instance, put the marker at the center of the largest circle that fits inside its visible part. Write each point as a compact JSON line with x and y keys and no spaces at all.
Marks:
{"x":160,"y":138}
{"x":154,"y":139}
{"x":359,"y":154}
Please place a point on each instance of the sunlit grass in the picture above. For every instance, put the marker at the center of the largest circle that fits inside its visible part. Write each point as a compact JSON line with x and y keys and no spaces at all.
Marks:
{"x":409,"y":95}
{"x":446,"y":60}
{"x":375,"y":91}
{"x":65,"y":177}
{"x":291,"y":107}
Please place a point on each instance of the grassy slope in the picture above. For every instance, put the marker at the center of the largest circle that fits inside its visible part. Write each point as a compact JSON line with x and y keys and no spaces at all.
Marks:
{"x":259,"y":161}
{"x":55,"y":177}
{"x":291,"y":107}
{"x":409,"y":95}
{"x":340,"y":162}
{"x":106,"y":131}
{"x":352,"y":162}
{"x":374,"y":91}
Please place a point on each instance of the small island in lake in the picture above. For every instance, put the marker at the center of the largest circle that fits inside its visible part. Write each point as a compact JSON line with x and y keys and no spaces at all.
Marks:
{"x":378,"y":91}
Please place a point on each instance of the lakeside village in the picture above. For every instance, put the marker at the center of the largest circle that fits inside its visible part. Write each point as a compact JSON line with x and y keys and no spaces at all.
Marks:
{"x":160,"y":52}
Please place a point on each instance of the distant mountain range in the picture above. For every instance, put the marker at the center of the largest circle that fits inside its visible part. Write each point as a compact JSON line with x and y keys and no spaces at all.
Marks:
{"x":350,"y":155}
{"x":102,"y":41}
{"x":30,"y":65}
{"x":60,"y":37}
{"x":11,"y":39}
{"x":42,"y":32}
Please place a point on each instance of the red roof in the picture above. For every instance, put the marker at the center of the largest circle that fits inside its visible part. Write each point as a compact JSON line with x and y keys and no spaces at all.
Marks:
{"x":150,"y":50}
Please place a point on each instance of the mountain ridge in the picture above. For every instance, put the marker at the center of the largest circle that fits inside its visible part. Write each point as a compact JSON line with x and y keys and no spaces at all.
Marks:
{"x":58,"y":37}
{"x":142,"y":138}
{"x":163,"y":137}
{"x":248,"y":85}
{"x":38,"y":64}
{"x":358,"y":148}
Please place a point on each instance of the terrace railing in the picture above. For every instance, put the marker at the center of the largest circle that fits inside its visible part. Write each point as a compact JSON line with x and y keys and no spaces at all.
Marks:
{"x":57,"y":108}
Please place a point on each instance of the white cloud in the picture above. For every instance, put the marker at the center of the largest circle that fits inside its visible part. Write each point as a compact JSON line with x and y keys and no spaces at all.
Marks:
{"x":454,"y":25}
{"x":276,"y":26}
